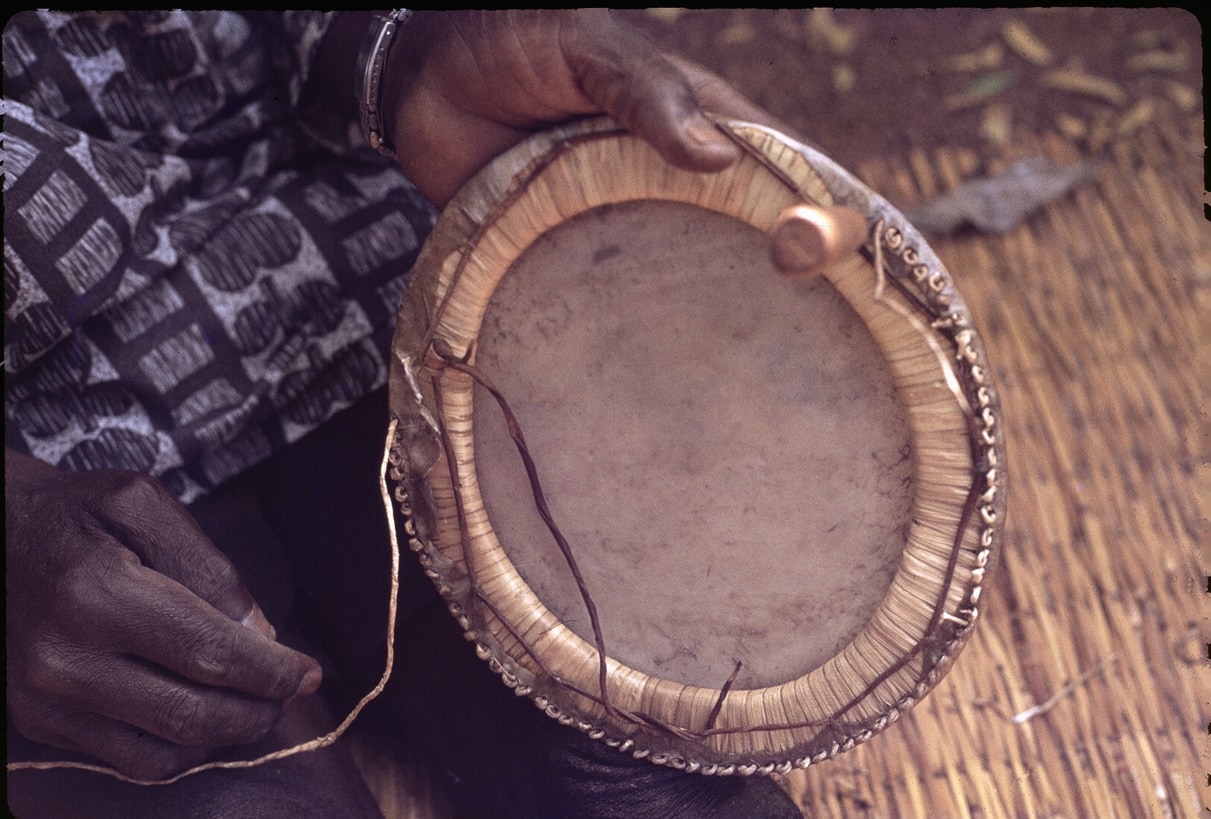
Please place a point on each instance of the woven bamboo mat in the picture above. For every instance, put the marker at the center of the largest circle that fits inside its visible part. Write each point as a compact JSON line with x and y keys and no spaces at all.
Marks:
{"x":1083,"y":693}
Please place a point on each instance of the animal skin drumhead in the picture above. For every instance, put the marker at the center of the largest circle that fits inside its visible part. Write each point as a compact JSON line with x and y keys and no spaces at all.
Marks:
{"x":733,"y":448}
{"x":716,"y":517}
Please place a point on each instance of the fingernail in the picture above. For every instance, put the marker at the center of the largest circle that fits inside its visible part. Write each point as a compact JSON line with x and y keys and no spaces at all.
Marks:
{"x":703,"y":132}
{"x":311,"y":682}
{"x":255,"y":619}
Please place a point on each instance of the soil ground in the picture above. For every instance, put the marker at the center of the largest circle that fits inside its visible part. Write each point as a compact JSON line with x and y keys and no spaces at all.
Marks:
{"x":879,"y":82}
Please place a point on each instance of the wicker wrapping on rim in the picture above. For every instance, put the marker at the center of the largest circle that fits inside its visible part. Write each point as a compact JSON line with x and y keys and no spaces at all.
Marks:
{"x":921,"y":325}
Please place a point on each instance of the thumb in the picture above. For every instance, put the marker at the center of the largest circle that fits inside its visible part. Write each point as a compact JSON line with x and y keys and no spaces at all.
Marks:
{"x":652,"y":98}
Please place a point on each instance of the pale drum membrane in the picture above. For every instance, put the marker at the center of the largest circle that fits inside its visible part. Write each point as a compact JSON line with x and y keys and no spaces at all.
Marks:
{"x":786,"y":551}
{"x":722,"y":447}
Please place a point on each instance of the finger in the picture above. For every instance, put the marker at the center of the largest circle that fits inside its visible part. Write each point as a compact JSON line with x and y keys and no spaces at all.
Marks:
{"x":148,"y":520}
{"x":718,"y":96}
{"x":141,"y":612}
{"x":180,"y":712}
{"x":132,"y":751}
{"x":136,"y":693}
{"x":193,"y":640}
{"x":652,"y":98}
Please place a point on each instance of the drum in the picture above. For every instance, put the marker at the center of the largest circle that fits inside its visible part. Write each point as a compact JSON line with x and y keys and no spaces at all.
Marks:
{"x":713,"y":516}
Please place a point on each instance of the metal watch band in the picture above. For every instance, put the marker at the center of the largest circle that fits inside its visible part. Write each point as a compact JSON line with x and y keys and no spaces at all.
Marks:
{"x":370,"y":63}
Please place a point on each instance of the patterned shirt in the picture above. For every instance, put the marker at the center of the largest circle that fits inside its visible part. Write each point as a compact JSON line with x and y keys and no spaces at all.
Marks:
{"x":192,"y":278}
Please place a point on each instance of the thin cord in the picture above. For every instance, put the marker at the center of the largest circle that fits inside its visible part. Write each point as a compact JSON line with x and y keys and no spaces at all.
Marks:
{"x":311,"y":745}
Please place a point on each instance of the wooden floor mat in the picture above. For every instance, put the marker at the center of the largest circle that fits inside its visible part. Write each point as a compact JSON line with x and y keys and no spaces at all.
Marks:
{"x":1083,"y":691}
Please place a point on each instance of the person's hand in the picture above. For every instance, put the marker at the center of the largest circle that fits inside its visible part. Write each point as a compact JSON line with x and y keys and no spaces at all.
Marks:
{"x":461,"y":87}
{"x":130,"y":637}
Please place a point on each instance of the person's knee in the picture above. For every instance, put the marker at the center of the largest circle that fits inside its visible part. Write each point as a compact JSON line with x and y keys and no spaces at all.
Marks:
{"x":589,"y":778}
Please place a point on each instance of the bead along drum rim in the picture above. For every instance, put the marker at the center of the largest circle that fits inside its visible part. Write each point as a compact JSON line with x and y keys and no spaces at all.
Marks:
{"x":900,"y":291}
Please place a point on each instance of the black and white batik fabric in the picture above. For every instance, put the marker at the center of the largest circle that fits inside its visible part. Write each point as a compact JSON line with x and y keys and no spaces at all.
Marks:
{"x":190,"y":280}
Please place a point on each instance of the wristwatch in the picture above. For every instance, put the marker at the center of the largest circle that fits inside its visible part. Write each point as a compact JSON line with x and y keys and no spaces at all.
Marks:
{"x":372,"y":58}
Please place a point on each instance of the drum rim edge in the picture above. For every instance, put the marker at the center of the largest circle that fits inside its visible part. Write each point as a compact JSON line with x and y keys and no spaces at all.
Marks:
{"x":911,"y":267}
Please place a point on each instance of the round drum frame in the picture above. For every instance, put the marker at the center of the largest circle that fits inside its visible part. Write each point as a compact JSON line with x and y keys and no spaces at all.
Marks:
{"x":920,"y":323}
